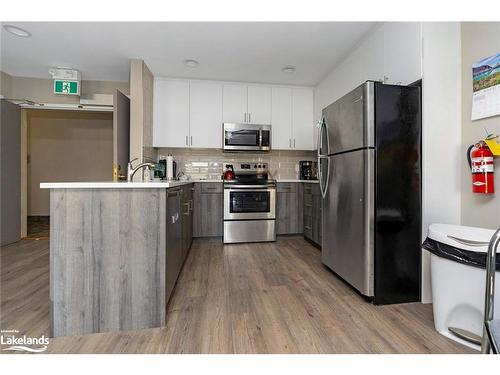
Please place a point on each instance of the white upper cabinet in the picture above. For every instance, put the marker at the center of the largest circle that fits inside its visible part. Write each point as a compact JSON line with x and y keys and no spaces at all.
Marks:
{"x":302,"y":119}
{"x":292,"y":118}
{"x":281,"y":119}
{"x":190,"y":113}
{"x":205,"y":115}
{"x":170,"y":113}
{"x":234,"y":103}
{"x":259,"y":105}
{"x":403,"y":52}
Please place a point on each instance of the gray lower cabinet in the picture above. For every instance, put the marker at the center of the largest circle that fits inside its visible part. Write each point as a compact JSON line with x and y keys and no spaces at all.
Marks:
{"x":179,"y":232}
{"x":174,"y":239}
{"x":187,"y":218}
{"x":289,"y":208}
{"x":312,"y":212}
{"x":208,"y":209}
{"x":108,"y":259}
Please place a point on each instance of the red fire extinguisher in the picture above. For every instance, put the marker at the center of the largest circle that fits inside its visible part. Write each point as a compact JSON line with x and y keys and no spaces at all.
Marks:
{"x":481,"y":164}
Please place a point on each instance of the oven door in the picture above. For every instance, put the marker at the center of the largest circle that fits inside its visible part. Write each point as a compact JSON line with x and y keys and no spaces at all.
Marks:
{"x":249,"y":203}
{"x":246,"y":137}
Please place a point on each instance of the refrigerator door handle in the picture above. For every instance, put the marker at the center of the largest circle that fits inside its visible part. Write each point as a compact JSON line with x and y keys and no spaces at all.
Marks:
{"x":318,"y":140}
{"x":327,"y":137}
{"x":322,"y":131}
{"x":324,"y":189}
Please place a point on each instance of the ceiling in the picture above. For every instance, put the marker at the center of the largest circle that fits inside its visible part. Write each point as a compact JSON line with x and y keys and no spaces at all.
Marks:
{"x":232,"y":51}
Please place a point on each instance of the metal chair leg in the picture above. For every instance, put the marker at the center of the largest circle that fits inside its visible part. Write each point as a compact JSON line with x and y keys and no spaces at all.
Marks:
{"x":490,"y":288}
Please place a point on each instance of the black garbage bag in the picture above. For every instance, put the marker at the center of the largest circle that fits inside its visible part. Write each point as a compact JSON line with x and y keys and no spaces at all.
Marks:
{"x":470,"y":258}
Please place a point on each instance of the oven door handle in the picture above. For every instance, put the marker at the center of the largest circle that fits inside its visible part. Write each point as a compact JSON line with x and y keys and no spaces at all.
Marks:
{"x":250,"y":187}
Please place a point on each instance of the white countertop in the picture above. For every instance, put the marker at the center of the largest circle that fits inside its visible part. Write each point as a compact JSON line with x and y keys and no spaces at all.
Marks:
{"x":135,"y":185}
{"x":113,"y":185}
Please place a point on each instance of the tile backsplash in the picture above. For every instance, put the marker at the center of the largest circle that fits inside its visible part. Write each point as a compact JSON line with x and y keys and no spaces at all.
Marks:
{"x":208,"y":163}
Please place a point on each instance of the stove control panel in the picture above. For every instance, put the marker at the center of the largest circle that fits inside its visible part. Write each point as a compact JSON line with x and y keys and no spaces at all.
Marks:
{"x":248,"y":167}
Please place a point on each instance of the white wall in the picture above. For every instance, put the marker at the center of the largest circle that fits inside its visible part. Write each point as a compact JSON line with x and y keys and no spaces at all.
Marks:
{"x":441,"y":131}
{"x":66,"y":146}
{"x":391,"y":52}
{"x":402,"y":53}
{"x":479,"y":40}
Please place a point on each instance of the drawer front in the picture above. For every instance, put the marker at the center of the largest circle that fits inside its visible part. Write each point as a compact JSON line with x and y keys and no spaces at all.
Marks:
{"x":315,"y":189}
{"x":307,"y":188}
{"x":211,"y":187}
{"x":287,"y":187}
{"x":308,"y":198}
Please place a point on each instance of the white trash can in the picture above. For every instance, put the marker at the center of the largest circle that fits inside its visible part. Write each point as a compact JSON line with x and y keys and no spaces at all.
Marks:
{"x":458,"y":279}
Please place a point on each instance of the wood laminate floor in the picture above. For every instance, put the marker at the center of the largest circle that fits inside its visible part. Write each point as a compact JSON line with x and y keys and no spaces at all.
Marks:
{"x":249,"y":298}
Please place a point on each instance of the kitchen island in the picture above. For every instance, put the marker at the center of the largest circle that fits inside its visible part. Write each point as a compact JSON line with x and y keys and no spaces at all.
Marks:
{"x":116,"y":250}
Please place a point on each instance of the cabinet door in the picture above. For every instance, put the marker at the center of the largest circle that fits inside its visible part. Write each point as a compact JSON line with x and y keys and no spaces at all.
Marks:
{"x":259,"y":105}
{"x":174,"y":246}
{"x":289,"y":208}
{"x":186,"y":214}
{"x":402,"y":52}
{"x":170,"y":113}
{"x":302,"y":119}
{"x":281,"y":118}
{"x":205,"y":115}
{"x":316,"y":214}
{"x":208,"y":210}
{"x":234,"y":103}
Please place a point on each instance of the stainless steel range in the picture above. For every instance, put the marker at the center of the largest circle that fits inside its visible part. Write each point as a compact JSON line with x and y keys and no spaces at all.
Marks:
{"x":249,"y":204}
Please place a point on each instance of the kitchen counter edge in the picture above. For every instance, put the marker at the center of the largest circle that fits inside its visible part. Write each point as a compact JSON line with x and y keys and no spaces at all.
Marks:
{"x":136,"y":185}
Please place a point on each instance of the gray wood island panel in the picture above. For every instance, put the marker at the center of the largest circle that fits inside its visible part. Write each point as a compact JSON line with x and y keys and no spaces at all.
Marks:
{"x":107,"y":260}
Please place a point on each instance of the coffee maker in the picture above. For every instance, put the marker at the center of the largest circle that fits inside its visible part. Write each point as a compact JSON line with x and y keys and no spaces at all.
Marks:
{"x":308,"y":170}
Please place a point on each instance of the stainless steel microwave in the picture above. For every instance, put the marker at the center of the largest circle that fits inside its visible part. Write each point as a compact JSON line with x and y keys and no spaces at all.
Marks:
{"x":246,"y":137}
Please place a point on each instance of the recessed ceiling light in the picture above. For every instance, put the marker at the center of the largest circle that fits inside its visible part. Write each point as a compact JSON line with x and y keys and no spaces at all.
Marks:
{"x":288,"y":69}
{"x":191,"y":63}
{"x":17,"y":31}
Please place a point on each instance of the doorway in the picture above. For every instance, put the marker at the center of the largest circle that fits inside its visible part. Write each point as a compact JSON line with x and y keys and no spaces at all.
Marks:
{"x":64,"y":145}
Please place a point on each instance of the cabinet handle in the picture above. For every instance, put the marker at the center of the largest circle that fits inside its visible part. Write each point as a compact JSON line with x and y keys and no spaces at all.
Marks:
{"x":289,"y":143}
{"x":245,"y":117}
{"x":173,"y":193}
{"x":187,"y":212}
{"x":294,"y":143}
{"x":191,"y":140}
{"x":187,"y":141}
{"x":308,"y":205}
{"x":249,"y":117}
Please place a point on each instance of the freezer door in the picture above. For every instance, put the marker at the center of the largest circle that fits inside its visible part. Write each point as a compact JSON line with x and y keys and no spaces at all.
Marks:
{"x":349,"y":120}
{"x":347,"y":245}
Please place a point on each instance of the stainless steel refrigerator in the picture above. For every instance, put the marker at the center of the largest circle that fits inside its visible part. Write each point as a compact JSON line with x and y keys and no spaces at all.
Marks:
{"x":369,"y":163}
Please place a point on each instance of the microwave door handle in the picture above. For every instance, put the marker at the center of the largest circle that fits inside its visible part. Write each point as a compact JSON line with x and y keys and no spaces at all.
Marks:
{"x":260,"y":138}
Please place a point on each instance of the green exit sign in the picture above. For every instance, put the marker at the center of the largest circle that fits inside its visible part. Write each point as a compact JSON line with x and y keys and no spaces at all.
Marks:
{"x":66,"y":87}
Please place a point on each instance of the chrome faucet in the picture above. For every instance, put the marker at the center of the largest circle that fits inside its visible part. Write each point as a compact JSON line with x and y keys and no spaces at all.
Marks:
{"x":131,"y":170}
